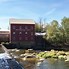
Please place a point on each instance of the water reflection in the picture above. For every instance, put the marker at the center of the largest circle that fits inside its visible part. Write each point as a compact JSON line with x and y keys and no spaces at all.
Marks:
{"x":46,"y":64}
{"x":52,"y":64}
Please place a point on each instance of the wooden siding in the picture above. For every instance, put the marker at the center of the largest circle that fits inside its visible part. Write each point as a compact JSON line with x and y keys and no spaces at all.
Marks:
{"x":22,"y":32}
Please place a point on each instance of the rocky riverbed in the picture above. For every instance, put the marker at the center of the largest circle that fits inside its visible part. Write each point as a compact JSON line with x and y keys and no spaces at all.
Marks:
{"x":54,"y":54}
{"x":40,"y":54}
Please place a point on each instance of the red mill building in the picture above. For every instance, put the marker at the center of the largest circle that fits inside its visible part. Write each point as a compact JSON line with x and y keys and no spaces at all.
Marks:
{"x":22,"y":31}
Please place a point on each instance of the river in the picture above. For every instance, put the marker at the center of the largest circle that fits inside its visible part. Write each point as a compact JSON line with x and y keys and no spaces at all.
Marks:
{"x":46,"y":64}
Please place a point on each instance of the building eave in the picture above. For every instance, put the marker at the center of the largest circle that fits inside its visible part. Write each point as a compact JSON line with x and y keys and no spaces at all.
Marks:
{"x":21,"y":21}
{"x":40,"y":34}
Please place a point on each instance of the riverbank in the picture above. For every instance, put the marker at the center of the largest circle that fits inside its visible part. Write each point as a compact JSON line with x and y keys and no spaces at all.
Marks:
{"x":54,"y":54}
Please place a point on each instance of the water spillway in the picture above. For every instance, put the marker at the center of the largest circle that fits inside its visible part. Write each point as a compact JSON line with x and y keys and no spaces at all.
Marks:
{"x":5,"y":56}
{"x":6,"y":61}
{"x":4,"y":53}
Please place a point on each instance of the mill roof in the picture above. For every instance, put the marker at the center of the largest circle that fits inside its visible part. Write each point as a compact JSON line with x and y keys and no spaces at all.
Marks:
{"x":21,"y":21}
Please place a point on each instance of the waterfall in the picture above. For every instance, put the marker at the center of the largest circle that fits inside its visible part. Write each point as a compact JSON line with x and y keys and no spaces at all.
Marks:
{"x":3,"y":58}
{"x":4,"y":55}
{"x":6,"y":61}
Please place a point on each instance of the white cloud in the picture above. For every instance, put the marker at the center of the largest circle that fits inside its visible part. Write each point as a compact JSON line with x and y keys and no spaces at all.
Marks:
{"x":49,"y":12}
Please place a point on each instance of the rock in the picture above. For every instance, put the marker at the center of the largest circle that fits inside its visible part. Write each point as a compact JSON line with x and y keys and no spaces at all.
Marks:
{"x":67,"y":58}
{"x":61,"y":53}
{"x":61,"y":57}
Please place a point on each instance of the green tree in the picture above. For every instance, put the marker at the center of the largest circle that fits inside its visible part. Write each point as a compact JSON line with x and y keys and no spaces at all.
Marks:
{"x":65,"y":28}
{"x":52,"y":28}
{"x":58,"y":34}
{"x":52,"y":32}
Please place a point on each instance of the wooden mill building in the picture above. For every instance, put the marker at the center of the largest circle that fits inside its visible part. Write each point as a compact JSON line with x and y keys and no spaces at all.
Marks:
{"x":22,"y":31}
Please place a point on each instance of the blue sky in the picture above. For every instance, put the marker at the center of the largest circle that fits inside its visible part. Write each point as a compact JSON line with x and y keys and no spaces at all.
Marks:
{"x":32,"y":9}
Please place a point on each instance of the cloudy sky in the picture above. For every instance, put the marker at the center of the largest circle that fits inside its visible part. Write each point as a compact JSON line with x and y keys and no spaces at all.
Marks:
{"x":32,"y":9}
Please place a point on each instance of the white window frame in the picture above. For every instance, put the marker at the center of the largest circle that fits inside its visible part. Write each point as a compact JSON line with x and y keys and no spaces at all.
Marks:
{"x":20,"y":32}
{"x":14,"y":33}
{"x":26,"y":32}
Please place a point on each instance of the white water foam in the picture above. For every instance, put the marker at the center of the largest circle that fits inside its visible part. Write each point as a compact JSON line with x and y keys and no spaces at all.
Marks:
{"x":5,"y":56}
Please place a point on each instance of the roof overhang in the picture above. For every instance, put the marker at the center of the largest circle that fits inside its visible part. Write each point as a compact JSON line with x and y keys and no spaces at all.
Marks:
{"x":21,"y":21}
{"x":40,"y":34}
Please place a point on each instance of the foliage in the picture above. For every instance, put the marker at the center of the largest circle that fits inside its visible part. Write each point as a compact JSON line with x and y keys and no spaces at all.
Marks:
{"x":58,"y":34}
{"x":65,"y":27}
{"x":40,"y":54}
{"x":52,"y":31}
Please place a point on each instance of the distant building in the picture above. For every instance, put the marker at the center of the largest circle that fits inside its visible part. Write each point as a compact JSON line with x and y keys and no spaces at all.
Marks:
{"x":22,"y":31}
{"x":4,"y":35}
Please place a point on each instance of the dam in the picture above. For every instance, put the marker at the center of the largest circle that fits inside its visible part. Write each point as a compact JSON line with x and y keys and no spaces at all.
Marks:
{"x":6,"y":61}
